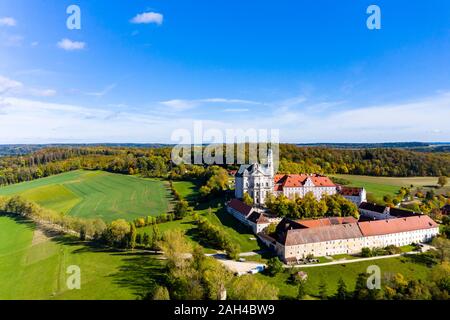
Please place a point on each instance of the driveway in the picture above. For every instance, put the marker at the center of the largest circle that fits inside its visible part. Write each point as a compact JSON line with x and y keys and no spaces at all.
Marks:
{"x":236,"y":266}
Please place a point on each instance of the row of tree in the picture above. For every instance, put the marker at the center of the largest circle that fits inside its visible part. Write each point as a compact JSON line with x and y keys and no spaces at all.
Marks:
{"x":190,"y":275}
{"x":217,"y":237}
{"x":309,"y":207}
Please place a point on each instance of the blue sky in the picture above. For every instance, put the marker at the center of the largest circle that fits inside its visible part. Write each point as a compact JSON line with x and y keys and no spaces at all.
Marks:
{"x":311,"y":69}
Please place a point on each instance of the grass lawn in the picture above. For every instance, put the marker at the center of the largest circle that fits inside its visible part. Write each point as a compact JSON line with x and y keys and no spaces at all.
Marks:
{"x":96,"y":194}
{"x":37,"y":269}
{"x":380,"y":186}
{"x":217,"y":215}
{"x":188,"y":190}
{"x":331,"y":274}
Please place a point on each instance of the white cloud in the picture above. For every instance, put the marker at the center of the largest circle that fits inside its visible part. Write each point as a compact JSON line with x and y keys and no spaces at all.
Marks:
{"x":148,"y":17}
{"x":26,"y":120}
{"x":8,"y":22}
{"x":182,"y":104}
{"x":102,"y":92}
{"x":70,"y":45}
{"x":7,"y":84}
{"x":236,"y":110}
{"x":13,"y":87}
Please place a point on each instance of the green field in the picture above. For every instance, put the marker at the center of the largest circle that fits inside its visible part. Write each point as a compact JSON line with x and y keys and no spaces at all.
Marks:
{"x":218,"y":215}
{"x":33,"y":266}
{"x":96,"y":194}
{"x":331,"y":274}
{"x":380,"y":186}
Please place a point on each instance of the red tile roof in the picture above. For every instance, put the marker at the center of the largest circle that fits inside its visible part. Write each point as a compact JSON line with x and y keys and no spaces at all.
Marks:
{"x":290,"y":236}
{"x":298,"y":180}
{"x":350,"y":191}
{"x":314,"y":223}
{"x":380,"y":227}
{"x":240,"y":207}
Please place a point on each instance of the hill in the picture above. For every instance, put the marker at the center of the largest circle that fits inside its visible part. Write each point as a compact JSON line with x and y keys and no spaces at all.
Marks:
{"x":96,"y":194}
{"x":33,"y":266}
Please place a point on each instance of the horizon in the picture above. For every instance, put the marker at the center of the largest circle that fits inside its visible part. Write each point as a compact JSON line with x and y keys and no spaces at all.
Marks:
{"x":139,"y":71}
{"x":224,"y":143}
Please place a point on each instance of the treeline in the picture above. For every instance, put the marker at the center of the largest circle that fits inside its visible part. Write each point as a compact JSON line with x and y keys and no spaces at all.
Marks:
{"x":372,"y":162}
{"x":118,"y":234}
{"x":217,"y":237}
{"x":47,"y":162}
{"x":309,"y":207}
{"x":156,"y":162}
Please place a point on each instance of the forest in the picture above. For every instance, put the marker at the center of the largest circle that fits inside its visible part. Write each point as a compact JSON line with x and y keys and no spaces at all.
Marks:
{"x":154,"y":161}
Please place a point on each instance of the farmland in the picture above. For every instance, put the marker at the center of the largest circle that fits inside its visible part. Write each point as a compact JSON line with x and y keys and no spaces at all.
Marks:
{"x":380,"y":186}
{"x":33,"y":266}
{"x":96,"y":194}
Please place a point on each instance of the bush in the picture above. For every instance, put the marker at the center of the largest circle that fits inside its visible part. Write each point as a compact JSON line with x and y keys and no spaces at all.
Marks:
{"x":274,"y":266}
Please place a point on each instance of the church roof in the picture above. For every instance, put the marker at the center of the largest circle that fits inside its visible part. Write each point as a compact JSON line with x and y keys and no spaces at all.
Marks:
{"x":253,"y":168}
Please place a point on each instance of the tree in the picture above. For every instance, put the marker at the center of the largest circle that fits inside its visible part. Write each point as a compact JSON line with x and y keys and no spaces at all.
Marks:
{"x":271,"y":229}
{"x":341,"y":293}
{"x":156,"y":237}
{"x":442,"y":246}
{"x":248,"y":287}
{"x":161,"y":293}
{"x":362,"y":292}
{"x":82,"y":233}
{"x":181,"y":209}
{"x":175,"y":248}
{"x":301,"y":290}
{"x":442,"y":181}
{"x":132,"y":236}
{"x":117,"y":232}
{"x":146,"y":241}
{"x":274,"y":266}
{"x":323,"y":290}
{"x":366,"y":252}
{"x":247,"y":199}
{"x":232,"y":249}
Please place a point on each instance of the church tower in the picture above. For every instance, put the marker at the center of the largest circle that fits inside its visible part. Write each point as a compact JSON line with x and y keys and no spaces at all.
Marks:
{"x":270,"y":162}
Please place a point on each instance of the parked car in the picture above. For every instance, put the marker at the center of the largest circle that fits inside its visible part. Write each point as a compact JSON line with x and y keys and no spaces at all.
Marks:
{"x":257,"y":269}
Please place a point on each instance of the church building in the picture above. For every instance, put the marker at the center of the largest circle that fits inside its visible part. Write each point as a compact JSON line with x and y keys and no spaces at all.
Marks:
{"x":260,"y":180}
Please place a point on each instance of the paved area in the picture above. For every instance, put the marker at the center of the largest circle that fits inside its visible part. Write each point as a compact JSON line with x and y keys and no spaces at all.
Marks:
{"x":236,"y":266}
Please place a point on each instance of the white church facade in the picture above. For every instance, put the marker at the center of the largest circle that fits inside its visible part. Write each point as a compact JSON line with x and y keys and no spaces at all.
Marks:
{"x":260,"y":180}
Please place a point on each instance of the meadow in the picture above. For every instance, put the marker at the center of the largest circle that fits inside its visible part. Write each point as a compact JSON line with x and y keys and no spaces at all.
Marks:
{"x":215,"y":212}
{"x":380,"y":186}
{"x":33,"y":266}
{"x":96,"y":194}
{"x":330,"y":275}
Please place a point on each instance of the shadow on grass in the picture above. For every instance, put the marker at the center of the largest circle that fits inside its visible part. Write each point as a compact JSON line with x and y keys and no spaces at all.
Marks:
{"x":140,"y":273}
{"x":195,"y":235}
{"x":422,"y":258}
